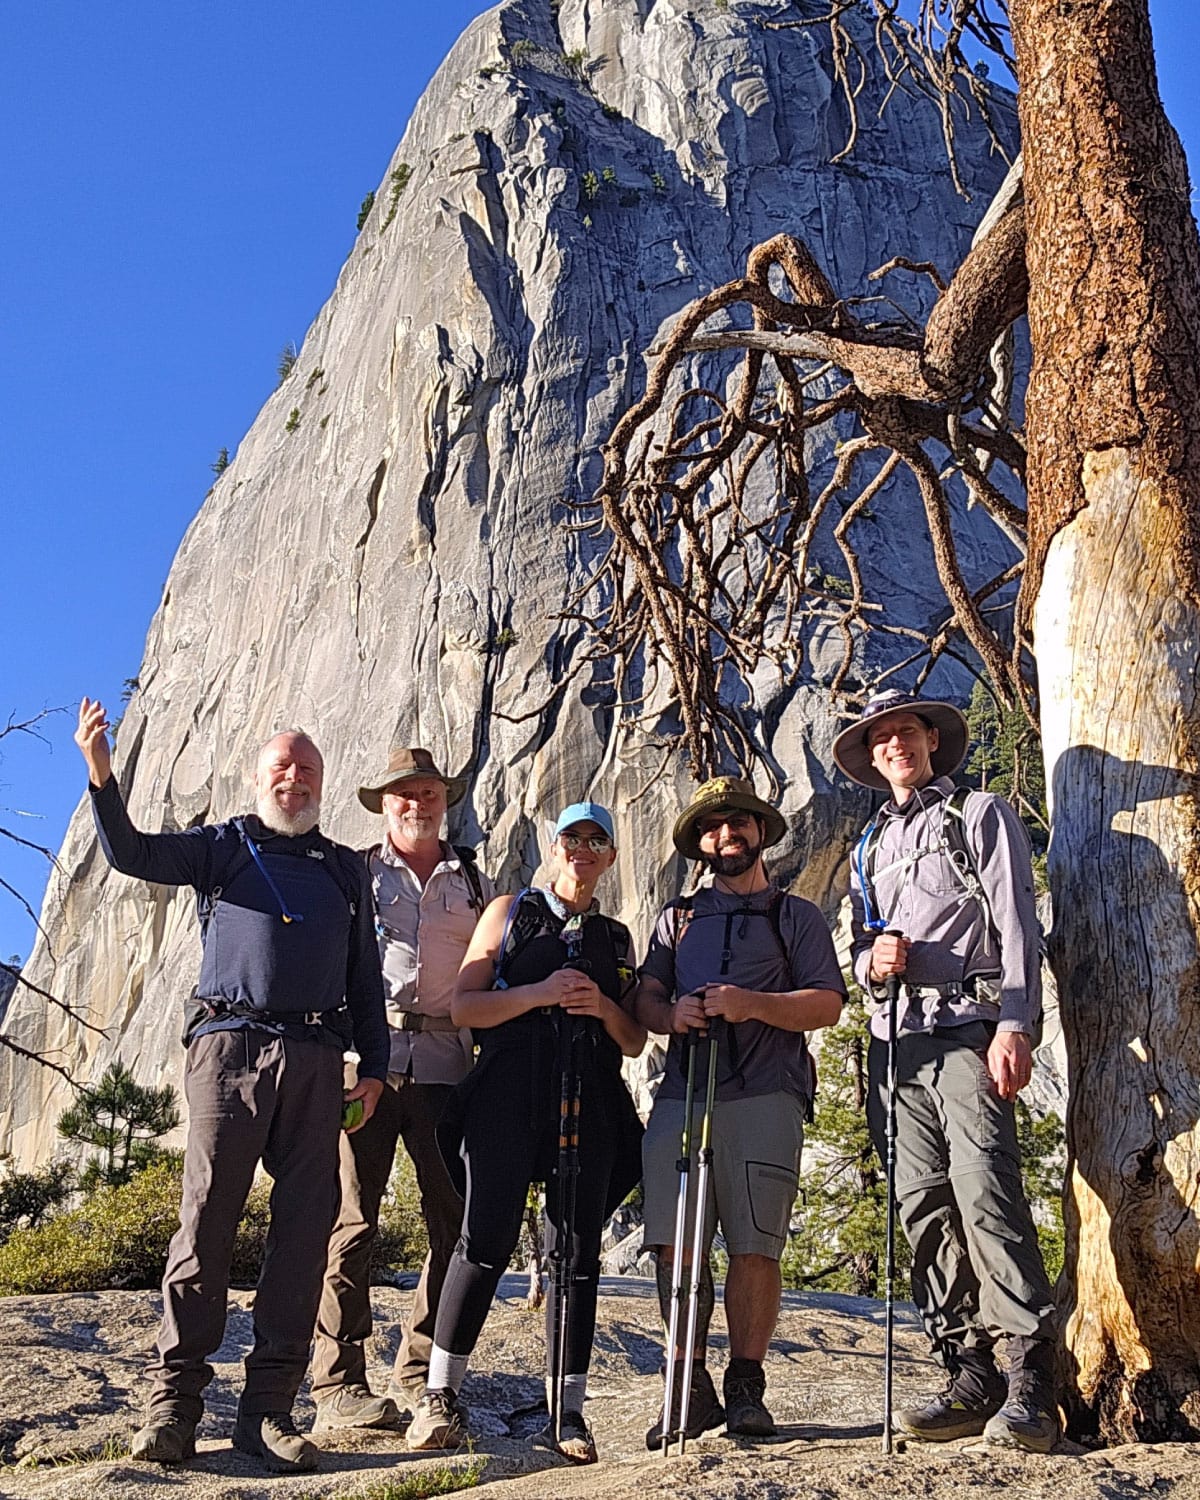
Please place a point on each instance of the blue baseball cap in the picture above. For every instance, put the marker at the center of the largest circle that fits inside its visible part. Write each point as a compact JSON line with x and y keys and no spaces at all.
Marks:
{"x":585,"y":812}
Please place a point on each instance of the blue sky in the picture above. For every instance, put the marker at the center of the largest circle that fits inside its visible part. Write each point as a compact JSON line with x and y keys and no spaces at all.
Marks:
{"x":178,"y":189}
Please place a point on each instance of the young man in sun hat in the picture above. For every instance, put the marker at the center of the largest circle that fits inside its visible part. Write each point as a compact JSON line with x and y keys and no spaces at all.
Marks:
{"x":943,"y":899}
{"x":757,"y":966}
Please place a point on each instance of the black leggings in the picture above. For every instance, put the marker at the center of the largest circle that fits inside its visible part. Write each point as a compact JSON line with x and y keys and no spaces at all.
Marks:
{"x":501,"y":1164}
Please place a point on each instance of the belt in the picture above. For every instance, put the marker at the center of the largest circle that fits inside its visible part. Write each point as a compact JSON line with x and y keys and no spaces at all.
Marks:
{"x":220,"y":1010}
{"x":415,"y":1020}
{"x":953,"y":989}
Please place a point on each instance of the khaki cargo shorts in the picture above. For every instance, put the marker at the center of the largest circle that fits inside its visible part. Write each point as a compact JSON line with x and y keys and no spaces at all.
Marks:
{"x":753,"y":1181}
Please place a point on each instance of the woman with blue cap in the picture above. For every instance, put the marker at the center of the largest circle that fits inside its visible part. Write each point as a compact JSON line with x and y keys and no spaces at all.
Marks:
{"x":545,"y":988}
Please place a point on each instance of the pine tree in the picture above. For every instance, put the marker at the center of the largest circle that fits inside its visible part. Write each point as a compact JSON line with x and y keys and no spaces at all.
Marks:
{"x":125,"y":1120}
{"x":839,"y":1246}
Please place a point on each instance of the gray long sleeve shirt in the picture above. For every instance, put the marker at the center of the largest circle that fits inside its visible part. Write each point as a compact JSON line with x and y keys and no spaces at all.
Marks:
{"x":915,"y":889}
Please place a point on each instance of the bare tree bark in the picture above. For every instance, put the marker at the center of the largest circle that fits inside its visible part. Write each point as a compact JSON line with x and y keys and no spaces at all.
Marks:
{"x":1113,"y":594}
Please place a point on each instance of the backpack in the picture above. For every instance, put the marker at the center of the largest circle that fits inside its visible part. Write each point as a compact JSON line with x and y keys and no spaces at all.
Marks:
{"x":685,"y":910}
{"x":953,"y":841}
{"x":530,"y":916}
{"x":331,"y":863}
{"x":467,"y":858}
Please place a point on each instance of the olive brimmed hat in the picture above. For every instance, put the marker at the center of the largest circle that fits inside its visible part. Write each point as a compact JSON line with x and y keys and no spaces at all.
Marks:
{"x":853,"y":754}
{"x":406,"y":764}
{"x":725,"y":794}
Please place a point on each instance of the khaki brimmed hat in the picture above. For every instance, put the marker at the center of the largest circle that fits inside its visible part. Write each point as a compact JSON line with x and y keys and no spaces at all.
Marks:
{"x":725,"y":793}
{"x":853,"y":754}
{"x":404,"y":765}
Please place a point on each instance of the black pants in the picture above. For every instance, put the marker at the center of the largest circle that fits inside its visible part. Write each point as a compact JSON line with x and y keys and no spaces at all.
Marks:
{"x":501,"y":1164}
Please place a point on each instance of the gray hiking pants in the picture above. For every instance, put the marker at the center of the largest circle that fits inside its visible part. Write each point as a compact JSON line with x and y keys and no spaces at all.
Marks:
{"x":409,"y":1112}
{"x":977,"y":1273}
{"x":252,"y":1096}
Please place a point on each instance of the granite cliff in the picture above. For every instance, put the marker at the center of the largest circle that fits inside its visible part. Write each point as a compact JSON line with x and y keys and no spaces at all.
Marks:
{"x":382,"y":559}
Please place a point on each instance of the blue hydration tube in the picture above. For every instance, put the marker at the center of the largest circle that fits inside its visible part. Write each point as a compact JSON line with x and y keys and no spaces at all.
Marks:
{"x":288,"y":916}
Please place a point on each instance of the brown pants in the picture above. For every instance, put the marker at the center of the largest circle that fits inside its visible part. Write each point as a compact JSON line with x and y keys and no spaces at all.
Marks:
{"x":252,"y":1096}
{"x":409,"y":1112}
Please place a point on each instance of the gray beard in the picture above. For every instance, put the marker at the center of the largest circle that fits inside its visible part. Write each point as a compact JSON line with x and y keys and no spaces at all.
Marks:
{"x":292,"y":825}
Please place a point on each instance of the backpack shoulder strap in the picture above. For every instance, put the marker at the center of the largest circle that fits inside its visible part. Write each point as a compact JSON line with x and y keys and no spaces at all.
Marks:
{"x":528,"y":917}
{"x":345,"y":879}
{"x":954,"y":831}
{"x":865,"y":853}
{"x":239,"y":857}
{"x":684,"y":908}
{"x":469,"y":861}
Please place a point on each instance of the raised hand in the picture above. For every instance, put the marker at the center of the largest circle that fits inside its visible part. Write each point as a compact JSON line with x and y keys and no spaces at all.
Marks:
{"x":92,"y":738}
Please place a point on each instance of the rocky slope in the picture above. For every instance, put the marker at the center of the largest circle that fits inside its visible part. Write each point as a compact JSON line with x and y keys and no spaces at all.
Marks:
{"x":382,"y":559}
{"x":70,"y":1399}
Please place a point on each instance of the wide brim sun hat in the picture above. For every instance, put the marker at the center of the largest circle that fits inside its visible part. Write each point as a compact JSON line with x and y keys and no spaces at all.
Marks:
{"x":853,"y":754}
{"x":406,"y":763}
{"x":725,"y":792}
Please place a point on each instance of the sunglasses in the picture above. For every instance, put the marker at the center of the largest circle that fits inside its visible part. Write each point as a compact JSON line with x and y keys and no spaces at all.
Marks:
{"x":598,"y":843}
{"x":736,"y":822}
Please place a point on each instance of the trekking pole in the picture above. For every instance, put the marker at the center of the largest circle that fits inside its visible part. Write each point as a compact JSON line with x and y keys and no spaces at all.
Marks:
{"x":683,"y":1166}
{"x":703,"y":1164}
{"x":892,"y":987}
{"x":562,"y":1261}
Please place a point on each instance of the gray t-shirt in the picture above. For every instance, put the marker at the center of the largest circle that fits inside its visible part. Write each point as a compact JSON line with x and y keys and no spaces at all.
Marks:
{"x":728,"y":939}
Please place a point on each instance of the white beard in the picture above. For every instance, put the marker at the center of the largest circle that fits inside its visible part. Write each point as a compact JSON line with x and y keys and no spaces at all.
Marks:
{"x":272,"y":816}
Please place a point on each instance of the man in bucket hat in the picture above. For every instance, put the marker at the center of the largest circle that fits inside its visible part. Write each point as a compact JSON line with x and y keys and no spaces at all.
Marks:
{"x":428,"y":898}
{"x":942,"y":896}
{"x":758,"y":967}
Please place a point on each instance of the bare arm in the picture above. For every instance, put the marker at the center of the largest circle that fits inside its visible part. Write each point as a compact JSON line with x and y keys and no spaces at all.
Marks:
{"x":653,"y":1008}
{"x":789,"y":1010}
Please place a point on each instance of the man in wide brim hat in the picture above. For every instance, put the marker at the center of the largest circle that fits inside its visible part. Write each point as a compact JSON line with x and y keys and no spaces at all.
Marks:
{"x":403,"y":765}
{"x":852,"y":750}
{"x":725,"y":794}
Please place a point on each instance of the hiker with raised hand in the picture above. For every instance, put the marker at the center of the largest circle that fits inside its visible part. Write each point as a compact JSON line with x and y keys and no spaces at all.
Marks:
{"x":543,"y":967}
{"x":429,"y":895}
{"x":942,"y":896}
{"x":762,"y":961}
{"x":289,"y":978}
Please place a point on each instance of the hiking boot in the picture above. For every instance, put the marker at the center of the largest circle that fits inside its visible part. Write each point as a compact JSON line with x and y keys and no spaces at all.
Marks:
{"x":406,"y":1394}
{"x":354,"y":1406}
{"x":704,"y":1410}
{"x":165,"y":1440}
{"x":1029,"y":1417}
{"x":438,"y":1422}
{"x":975,"y":1394}
{"x":575,"y":1443}
{"x":746,"y":1414}
{"x":271,"y":1437}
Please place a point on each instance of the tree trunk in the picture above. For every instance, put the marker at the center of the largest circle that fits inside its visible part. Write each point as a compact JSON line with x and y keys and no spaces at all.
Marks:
{"x":1114,"y":511}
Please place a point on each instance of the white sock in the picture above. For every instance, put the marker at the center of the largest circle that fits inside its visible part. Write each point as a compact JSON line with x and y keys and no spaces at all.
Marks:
{"x":574,"y":1392}
{"x":446,"y":1370}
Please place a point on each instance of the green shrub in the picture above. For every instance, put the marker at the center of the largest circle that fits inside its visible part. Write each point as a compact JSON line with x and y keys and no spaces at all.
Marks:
{"x":364,"y":209}
{"x":293,"y":422}
{"x":118,"y":1237}
{"x":399,"y":180}
{"x":403,"y":1241}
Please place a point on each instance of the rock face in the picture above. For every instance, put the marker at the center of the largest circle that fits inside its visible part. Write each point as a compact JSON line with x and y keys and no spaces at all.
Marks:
{"x":383,"y":559}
